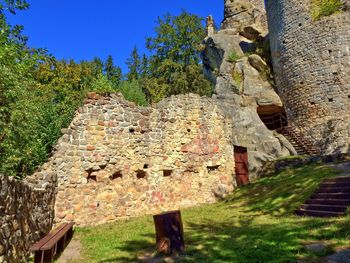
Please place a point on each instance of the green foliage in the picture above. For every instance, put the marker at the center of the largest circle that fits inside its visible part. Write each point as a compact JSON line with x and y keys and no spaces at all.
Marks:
{"x":113,"y":73}
{"x":321,"y":8}
{"x":39,"y":94}
{"x":178,"y":38}
{"x":233,"y":57}
{"x":255,"y":224}
{"x":132,"y":91}
{"x":102,"y":84}
{"x":134,"y":65}
{"x":174,"y":66}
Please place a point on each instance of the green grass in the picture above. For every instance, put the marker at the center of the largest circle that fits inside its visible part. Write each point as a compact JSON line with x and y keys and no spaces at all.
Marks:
{"x":321,"y":8}
{"x":255,"y":224}
{"x":233,"y":57}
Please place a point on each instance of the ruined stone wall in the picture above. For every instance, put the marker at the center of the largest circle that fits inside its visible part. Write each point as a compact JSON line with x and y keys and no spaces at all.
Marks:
{"x":117,"y":160}
{"x":311,"y":62}
{"x":26,"y":214}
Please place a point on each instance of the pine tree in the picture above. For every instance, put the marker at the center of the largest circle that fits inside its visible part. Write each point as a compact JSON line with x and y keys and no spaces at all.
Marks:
{"x":134,"y":65}
{"x":113,"y":73}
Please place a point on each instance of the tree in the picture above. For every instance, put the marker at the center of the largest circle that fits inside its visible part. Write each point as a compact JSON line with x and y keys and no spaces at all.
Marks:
{"x":134,"y":65}
{"x":113,"y":73}
{"x":97,"y":64}
{"x":174,"y":64}
{"x":178,"y":39}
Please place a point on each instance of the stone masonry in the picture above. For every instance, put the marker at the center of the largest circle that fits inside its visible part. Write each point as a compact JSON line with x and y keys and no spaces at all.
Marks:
{"x":311,"y":62}
{"x":26,"y":214}
{"x":117,"y":160}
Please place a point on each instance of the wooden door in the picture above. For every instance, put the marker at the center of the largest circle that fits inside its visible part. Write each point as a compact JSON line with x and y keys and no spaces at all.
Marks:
{"x":241,"y":165}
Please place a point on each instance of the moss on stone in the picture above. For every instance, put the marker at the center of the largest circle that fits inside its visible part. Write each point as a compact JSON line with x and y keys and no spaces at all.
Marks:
{"x":237,"y":77}
{"x":321,"y":8}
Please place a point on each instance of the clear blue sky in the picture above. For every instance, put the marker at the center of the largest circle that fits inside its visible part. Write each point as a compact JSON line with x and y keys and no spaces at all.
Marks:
{"x":82,"y":29}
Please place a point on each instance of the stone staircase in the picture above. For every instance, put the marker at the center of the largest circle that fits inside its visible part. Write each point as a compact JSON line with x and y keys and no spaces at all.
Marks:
{"x":300,"y":144}
{"x":331,"y":199}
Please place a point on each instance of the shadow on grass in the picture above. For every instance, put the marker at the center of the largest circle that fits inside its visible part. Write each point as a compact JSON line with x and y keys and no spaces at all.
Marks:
{"x":281,"y":194}
{"x":250,"y":240}
{"x":255,"y":224}
{"x":245,"y":239}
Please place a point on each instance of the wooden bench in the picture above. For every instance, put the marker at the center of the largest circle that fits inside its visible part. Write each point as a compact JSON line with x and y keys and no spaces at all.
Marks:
{"x":53,"y":243}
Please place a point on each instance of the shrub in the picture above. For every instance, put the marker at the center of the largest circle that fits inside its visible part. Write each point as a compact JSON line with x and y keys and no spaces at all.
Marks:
{"x":132,"y":91}
{"x":321,"y":8}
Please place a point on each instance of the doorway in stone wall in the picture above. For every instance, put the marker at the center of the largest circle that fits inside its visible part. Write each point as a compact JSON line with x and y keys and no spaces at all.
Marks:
{"x":241,"y":165}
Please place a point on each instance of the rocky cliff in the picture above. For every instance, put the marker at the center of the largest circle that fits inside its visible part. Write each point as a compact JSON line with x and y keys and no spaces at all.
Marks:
{"x":236,"y":62}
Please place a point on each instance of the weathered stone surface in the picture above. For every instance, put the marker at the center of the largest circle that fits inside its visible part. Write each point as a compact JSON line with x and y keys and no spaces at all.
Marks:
{"x":26,"y":214}
{"x":339,"y":257}
{"x":242,"y":86}
{"x":311,"y":61}
{"x":242,"y":13}
{"x":257,"y":62}
{"x":143,"y":163}
{"x":316,"y":247}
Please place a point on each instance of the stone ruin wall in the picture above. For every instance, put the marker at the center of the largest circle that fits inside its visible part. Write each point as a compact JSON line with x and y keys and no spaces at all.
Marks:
{"x":117,"y":161}
{"x":26,"y":214}
{"x":311,"y":62}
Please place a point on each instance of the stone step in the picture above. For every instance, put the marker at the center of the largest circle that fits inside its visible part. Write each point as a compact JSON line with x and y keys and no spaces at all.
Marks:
{"x":337,"y":202}
{"x":333,"y":189}
{"x":302,"y":212}
{"x":335,"y":184}
{"x":329,"y":208}
{"x":338,"y":179}
{"x":330,"y":196}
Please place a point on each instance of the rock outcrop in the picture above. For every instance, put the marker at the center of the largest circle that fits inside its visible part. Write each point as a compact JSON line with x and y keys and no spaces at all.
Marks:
{"x":242,"y":81}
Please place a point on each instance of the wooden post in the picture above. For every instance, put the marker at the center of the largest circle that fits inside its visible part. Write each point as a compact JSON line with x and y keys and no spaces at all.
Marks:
{"x":169,"y":232}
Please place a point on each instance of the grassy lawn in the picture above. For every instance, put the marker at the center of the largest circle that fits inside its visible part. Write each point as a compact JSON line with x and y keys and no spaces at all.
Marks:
{"x":255,"y":224}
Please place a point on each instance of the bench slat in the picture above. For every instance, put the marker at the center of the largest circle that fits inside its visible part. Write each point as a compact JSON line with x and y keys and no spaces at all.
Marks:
{"x":44,"y":240}
{"x":54,"y":239}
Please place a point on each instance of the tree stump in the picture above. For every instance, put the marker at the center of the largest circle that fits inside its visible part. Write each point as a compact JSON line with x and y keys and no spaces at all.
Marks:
{"x":169,"y":232}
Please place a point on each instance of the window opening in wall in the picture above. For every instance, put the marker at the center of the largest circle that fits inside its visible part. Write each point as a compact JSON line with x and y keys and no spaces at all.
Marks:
{"x":212,"y":168}
{"x":301,"y":82}
{"x":330,"y":99}
{"x":283,"y":41}
{"x":188,"y":130}
{"x":92,"y":178}
{"x":167,"y":173}
{"x":312,"y":103}
{"x":116,"y":175}
{"x":145,"y":166}
{"x":329,"y":51}
{"x":140,"y":174}
{"x":300,"y":24}
{"x":348,"y":96}
{"x":131,"y":130}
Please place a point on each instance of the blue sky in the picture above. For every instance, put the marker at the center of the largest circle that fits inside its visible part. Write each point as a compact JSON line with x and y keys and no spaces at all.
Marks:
{"x":82,"y":29}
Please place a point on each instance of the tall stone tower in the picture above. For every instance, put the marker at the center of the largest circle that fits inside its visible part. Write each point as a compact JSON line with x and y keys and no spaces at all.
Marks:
{"x":311,"y":61}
